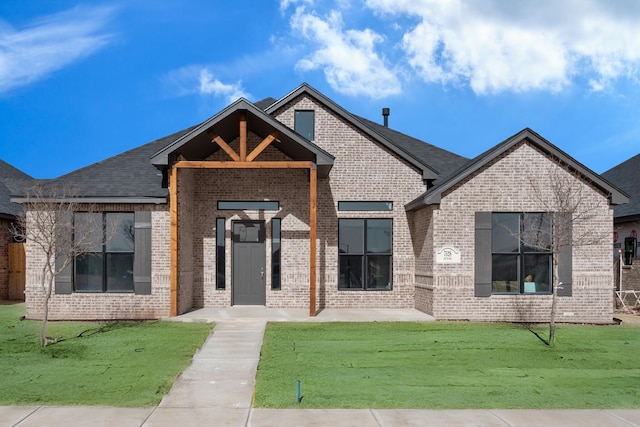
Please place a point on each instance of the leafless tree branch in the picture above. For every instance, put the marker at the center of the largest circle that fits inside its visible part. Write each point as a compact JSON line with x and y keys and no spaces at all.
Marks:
{"x":48,"y":225}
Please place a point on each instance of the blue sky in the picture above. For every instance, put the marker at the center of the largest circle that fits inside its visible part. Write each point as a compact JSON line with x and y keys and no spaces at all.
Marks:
{"x":83,"y":81}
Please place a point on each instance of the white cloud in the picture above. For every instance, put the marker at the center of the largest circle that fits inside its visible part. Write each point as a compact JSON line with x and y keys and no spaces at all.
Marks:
{"x":211,"y":85}
{"x":197,"y":79}
{"x":183,"y":81}
{"x":284,"y":4}
{"x":496,"y":45}
{"x":347,"y":57}
{"x":32,"y":53}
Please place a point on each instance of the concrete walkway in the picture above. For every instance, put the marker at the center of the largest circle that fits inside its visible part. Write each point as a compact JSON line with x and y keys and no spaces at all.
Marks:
{"x":217,"y":389}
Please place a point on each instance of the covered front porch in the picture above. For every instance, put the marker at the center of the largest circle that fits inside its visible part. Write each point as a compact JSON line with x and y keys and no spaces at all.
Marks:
{"x":302,"y":315}
{"x":238,"y":184}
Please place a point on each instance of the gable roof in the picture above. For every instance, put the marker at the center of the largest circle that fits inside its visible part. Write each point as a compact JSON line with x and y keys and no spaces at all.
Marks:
{"x":434,"y":194}
{"x":12,"y":181}
{"x":196,"y":144}
{"x":139,"y":175}
{"x":428,"y":172}
{"x":626,"y":176}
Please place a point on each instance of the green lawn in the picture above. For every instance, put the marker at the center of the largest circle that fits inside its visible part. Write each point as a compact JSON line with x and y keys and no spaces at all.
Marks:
{"x":114,"y":364}
{"x":447,"y":365}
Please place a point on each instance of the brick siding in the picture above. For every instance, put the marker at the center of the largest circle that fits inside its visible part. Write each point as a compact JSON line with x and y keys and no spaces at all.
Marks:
{"x":505,"y":185}
{"x":107,"y":306}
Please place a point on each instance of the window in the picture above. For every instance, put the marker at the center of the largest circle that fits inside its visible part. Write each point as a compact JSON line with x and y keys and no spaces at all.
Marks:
{"x":220,"y":254}
{"x":276,"y":226}
{"x":521,"y":257}
{"x":248,"y":232}
{"x":365,"y":254}
{"x":107,"y":264}
{"x":365,"y":206}
{"x":266,"y":205}
{"x":304,"y":123}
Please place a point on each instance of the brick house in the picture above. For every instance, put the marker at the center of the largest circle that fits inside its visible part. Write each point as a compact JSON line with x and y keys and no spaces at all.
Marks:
{"x":626,"y":224}
{"x":626,"y":218}
{"x":297,"y":202}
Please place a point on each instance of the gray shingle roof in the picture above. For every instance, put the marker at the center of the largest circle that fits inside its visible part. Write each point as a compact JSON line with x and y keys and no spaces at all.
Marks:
{"x":264,"y":103}
{"x":441,"y":160}
{"x":11,"y":172}
{"x":626,"y":176}
{"x":126,"y":175}
{"x":7,"y":209}
{"x":12,"y":182}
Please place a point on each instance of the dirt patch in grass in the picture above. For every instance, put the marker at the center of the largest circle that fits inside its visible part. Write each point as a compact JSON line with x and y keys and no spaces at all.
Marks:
{"x":628,"y":318}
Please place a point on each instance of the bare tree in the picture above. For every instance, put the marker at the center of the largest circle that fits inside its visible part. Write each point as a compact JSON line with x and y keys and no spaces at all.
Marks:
{"x":48,"y":225}
{"x":568,"y":196}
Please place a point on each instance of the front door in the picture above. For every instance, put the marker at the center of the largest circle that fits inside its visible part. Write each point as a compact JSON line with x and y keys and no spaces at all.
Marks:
{"x":248,"y":287}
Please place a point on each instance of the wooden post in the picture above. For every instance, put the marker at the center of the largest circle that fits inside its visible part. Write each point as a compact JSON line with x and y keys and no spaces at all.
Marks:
{"x":173,"y":209}
{"x":312,"y":239}
{"x":244,"y":164}
{"x":243,"y":136}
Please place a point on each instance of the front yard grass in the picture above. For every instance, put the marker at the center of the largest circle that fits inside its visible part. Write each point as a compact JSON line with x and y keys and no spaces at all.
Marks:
{"x":447,"y":365}
{"x":113,"y":364}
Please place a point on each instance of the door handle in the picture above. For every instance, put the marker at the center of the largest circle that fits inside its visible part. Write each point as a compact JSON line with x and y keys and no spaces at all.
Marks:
{"x":262,"y":273}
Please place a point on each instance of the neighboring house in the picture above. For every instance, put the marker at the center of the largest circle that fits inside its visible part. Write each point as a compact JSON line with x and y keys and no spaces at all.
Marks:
{"x":626,"y":218}
{"x":626,"y":223}
{"x":12,"y":181}
{"x":297,"y":202}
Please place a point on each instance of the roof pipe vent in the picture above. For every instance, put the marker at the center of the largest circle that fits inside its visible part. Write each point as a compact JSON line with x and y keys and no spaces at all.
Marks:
{"x":385,"y":114}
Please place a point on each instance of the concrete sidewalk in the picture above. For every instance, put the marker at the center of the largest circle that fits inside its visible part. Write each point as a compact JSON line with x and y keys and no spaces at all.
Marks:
{"x":217,"y":389}
{"x":184,"y":417}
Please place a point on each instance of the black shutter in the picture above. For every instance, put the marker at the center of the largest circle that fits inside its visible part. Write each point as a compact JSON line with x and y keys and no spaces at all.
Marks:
{"x":64,"y":279}
{"x":142,"y":254}
{"x":483,"y":255}
{"x":565,"y":253}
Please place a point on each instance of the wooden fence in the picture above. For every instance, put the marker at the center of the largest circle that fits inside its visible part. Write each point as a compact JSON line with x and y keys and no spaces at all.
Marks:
{"x":17,"y":267}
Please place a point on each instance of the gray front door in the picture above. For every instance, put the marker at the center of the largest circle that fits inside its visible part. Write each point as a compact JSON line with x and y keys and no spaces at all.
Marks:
{"x":248,"y":287}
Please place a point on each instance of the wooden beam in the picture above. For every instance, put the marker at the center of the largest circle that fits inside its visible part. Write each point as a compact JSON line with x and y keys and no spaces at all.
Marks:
{"x":227,"y":149}
{"x":264,"y":144}
{"x":243,"y":136}
{"x":243,"y":165}
{"x":313,"y":175}
{"x":173,"y":273}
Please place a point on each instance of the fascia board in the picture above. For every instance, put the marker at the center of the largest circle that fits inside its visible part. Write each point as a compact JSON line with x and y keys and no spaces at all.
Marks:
{"x":94,"y":200}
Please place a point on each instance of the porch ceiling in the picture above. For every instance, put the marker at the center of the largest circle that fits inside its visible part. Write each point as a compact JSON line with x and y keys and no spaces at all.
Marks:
{"x":198,"y":144}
